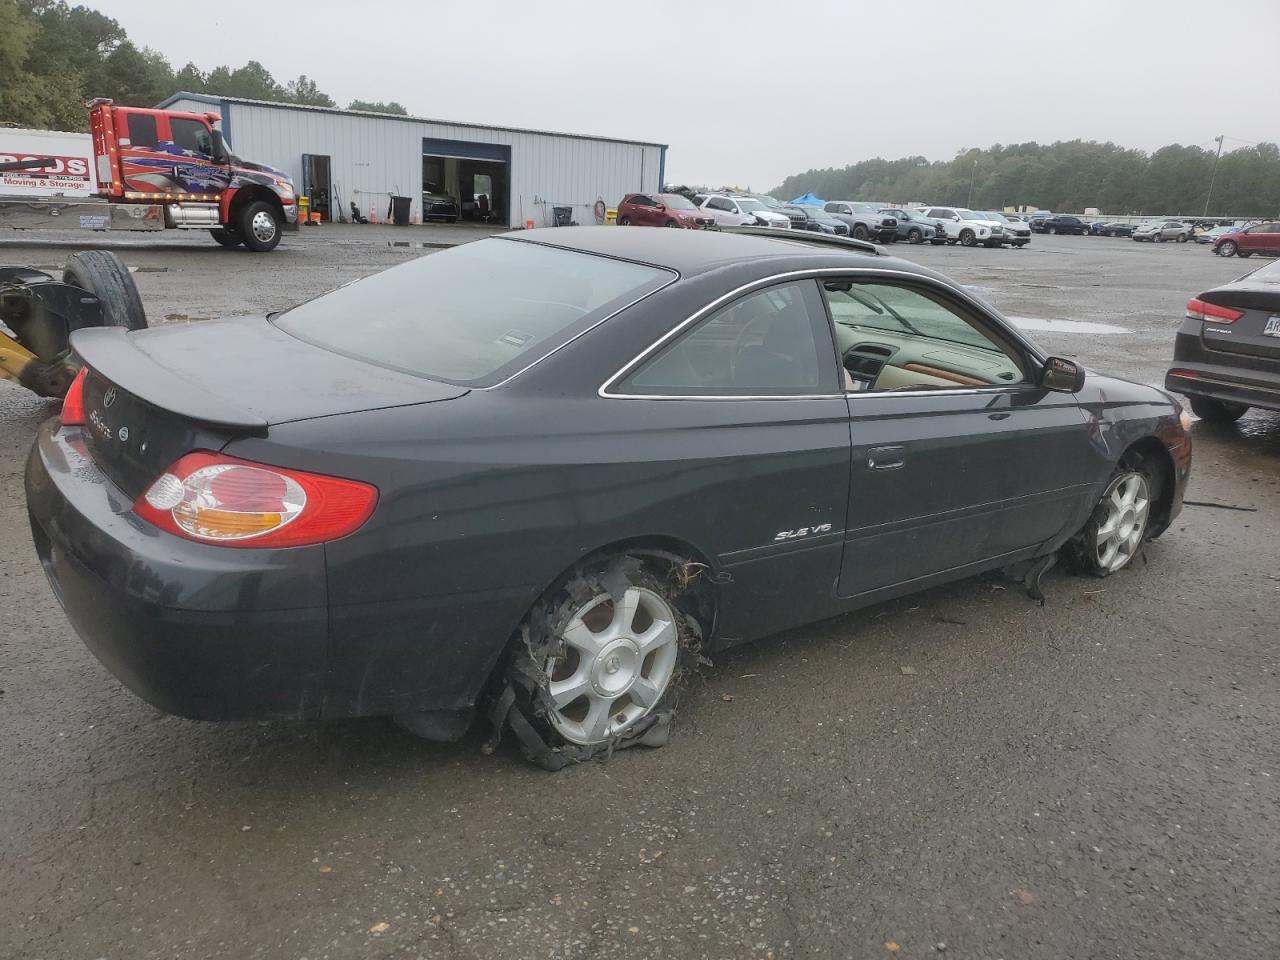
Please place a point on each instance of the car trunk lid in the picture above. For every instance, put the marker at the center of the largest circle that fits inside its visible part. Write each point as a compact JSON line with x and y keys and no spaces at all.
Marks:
{"x":152,"y":396}
{"x":1257,"y":332}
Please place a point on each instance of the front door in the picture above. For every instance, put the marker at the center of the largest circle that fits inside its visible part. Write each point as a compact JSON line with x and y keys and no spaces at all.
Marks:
{"x":959,"y":461}
{"x":1261,"y":238}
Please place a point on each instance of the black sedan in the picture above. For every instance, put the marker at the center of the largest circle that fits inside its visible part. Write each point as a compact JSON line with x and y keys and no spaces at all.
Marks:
{"x":816,"y":220}
{"x":1060,"y":223}
{"x":1226,"y":357}
{"x":1111,"y":228}
{"x":591,"y":457}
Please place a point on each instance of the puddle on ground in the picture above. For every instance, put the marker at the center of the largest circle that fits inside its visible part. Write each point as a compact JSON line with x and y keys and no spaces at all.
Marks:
{"x":1046,"y":325}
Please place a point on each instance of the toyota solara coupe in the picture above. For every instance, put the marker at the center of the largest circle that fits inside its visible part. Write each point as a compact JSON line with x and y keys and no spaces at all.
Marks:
{"x":543,"y":474}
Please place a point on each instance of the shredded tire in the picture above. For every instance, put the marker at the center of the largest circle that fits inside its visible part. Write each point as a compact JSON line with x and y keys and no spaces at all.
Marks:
{"x":1079,"y":554}
{"x":522,"y":703}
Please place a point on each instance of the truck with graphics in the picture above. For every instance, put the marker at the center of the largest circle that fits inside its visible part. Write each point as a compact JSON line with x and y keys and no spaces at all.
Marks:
{"x":140,"y":169}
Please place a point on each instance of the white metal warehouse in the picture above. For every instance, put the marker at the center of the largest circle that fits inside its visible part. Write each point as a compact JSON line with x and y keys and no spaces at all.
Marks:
{"x":514,"y":176}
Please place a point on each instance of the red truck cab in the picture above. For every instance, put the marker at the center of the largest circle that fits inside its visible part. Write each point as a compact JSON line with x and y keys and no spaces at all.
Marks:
{"x":181,"y":161}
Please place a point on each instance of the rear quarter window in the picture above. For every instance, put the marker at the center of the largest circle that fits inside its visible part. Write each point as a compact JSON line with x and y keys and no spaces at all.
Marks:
{"x":474,"y":314}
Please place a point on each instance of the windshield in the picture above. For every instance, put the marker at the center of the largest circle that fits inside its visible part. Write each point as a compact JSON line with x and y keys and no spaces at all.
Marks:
{"x":773,"y":203}
{"x":676,"y":202}
{"x":864,"y":208}
{"x":992,"y":215}
{"x":969,"y":215}
{"x":473,"y":314}
{"x":749,"y":205}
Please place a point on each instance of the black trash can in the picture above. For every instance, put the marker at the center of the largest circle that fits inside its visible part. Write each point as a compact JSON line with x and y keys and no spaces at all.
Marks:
{"x":563,"y":216}
{"x":399,"y":212}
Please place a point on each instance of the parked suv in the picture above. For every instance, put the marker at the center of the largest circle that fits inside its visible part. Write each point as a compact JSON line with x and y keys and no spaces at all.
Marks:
{"x":1158,"y":231}
{"x":865,"y":220}
{"x":730,"y":210}
{"x":661,"y":210}
{"x":965,"y":227}
{"x":814,"y":219}
{"x":1260,"y":238}
{"x":913,"y":227}
{"x":1016,"y":233}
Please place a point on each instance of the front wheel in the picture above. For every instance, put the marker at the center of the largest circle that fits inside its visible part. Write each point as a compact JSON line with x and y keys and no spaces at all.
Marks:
{"x":1115,"y":531}
{"x":226,"y":238}
{"x":624,"y":221}
{"x":915,"y":235}
{"x":968,"y":238}
{"x":1217,"y":411}
{"x":859,"y":232}
{"x":260,"y":226}
{"x":598,"y":661}
{"x":671,"y":223}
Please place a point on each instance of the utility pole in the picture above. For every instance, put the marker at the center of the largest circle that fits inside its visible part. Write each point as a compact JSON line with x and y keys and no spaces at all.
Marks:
{"x":1213,"y":175}
{"x":973,"y":179}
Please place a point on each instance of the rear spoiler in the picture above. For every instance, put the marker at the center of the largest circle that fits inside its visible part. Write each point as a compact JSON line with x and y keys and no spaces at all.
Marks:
{"x":109,"y":352}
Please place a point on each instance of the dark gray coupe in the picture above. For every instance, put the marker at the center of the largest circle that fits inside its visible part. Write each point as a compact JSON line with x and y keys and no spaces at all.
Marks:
{"x":544,"y":472}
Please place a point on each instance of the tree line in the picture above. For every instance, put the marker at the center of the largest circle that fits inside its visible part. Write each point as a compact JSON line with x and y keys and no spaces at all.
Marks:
{"x":54,"y":57}
{"x":1066,"y":176}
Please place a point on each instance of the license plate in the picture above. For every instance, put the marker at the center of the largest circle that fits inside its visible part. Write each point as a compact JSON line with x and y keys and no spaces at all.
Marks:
{"x":1272,"y":329}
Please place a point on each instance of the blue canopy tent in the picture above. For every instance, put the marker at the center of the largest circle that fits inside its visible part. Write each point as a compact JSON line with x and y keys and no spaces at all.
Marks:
{"x":809,"y":200}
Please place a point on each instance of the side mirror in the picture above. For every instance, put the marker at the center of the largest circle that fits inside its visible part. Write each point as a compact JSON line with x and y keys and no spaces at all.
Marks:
{"x":1062,"y":375}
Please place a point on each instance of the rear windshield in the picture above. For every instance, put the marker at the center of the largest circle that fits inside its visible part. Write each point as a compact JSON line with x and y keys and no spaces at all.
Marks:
{"x":1268,"y":274}
{"x":473,"y":314}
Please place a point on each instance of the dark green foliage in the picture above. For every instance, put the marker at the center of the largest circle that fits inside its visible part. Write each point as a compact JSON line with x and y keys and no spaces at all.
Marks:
{"x":1066,"y":176}
{"x":55,"y":56}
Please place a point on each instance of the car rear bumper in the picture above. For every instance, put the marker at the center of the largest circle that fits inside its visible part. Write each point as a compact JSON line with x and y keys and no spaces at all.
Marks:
{"x":1239,"y":378}
{"x":203,"y":632}
{"x":1252,"y":388}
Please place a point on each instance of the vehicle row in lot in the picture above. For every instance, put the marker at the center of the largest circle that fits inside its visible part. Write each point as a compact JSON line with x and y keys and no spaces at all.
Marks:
{"x":601,"y":455}
{"x":966,"y":227}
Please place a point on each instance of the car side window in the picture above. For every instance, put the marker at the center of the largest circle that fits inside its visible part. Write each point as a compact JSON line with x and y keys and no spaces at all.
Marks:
{"x":773,"y":342}
{"x":902,"y":338}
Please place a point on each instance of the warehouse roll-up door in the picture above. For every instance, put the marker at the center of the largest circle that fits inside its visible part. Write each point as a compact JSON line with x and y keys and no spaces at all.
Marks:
{"x":477,"y":176}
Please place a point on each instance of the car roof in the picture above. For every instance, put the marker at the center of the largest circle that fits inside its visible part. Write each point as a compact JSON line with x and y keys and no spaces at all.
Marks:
{"x":697,"y":251}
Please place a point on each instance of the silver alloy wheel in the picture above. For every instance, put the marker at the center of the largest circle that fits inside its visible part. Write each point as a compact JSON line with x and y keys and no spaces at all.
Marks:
{"x":1127,"y":501}
{"x":263,"y":226}
{"x":617,"y":661}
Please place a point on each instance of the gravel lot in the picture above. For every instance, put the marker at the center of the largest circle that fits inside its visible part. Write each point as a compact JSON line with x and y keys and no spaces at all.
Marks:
{"x":1097,"y":778}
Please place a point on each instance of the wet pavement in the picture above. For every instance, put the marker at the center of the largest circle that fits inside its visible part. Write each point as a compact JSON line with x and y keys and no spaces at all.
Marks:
{"x":1097,"y":778}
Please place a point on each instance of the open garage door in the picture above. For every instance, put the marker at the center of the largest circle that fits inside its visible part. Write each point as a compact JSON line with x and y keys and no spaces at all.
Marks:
{"x":462,"y":180}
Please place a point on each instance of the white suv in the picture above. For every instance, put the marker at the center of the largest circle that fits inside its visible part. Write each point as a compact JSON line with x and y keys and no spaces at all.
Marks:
{"x":966,"y":227}
{"x":734,"y":211}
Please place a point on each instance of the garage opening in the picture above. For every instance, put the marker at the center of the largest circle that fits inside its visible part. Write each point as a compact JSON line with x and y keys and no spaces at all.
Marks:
{"x":466,"y":181}
{"x":317,"y":185}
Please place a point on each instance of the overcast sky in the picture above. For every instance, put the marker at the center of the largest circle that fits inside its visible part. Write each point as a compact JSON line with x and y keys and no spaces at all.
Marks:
{"x":747,"y":92}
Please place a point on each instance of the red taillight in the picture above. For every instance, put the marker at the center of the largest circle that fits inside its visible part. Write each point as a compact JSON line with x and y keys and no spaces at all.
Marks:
{"x":223,"y":500}
{"x":73,"y":402}
{"x":1198,"y":309}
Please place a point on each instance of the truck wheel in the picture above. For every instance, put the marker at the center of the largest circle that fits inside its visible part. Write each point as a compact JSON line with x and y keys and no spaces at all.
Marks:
{"x":259,"y":226}
{"x":104,"y":275}
{"x":967,"y":238}
{"x":227,"y":238}
{"x":859,"y":232}
{"x":914,"y":235}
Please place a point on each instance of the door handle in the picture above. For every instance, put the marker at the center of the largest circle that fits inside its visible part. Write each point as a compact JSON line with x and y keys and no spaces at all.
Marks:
{"x":887,"y":458}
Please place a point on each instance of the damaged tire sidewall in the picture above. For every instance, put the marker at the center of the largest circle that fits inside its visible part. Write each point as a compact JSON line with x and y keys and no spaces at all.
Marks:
{"x":540,"y":639}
